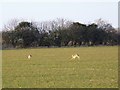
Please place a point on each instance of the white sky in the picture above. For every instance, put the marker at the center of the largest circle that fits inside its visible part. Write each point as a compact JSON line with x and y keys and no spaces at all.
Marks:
{"x":44,"y":10}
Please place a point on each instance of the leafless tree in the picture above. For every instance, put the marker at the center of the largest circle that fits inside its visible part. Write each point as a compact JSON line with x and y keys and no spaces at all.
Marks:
{"x":10,"y":25}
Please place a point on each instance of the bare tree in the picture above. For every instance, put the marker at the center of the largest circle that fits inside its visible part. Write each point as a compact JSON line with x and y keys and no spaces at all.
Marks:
{"x":11,"y":25}
{"x":103,"y":24}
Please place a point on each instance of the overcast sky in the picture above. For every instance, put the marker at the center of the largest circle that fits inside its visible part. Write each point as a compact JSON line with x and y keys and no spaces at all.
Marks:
{"x":84,"y":12}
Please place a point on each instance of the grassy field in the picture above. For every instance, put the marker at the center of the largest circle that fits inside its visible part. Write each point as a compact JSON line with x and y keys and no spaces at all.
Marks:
{"x":53,"y":68}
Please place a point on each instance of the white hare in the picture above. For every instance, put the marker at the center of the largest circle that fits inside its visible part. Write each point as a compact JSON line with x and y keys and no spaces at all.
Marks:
{"x":29,"y":56}
{"x":75,"y":56}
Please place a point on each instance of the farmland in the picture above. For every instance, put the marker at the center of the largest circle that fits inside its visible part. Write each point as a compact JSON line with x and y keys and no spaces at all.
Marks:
{"x":53,"y":68}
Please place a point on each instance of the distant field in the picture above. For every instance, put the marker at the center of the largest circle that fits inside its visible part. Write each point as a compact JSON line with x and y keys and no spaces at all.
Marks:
{"x":53,"y":68}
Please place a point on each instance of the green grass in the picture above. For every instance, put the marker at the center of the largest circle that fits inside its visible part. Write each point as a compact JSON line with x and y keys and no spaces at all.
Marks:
{"x":53,"y":68}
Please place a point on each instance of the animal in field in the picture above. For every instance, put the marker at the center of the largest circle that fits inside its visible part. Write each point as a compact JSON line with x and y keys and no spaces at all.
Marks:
{"x":75,"y":56}
{"x":29,"y":56}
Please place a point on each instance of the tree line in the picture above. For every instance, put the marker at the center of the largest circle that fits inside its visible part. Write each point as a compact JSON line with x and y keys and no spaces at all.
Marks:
{"x":60,"y":32}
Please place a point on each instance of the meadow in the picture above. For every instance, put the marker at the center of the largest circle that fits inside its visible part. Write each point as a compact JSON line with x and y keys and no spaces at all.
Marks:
{"x":53,"y":68}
